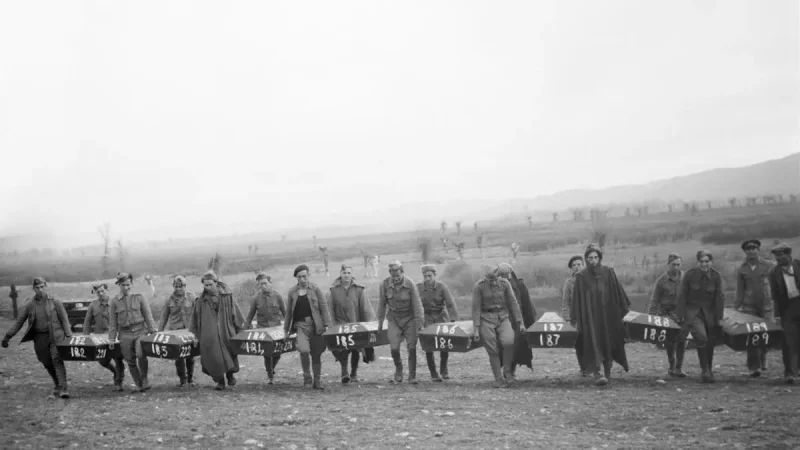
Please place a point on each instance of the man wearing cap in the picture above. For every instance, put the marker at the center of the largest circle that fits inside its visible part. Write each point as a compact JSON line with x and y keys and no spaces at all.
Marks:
{"x":663,"y":303}
{"x":176,"y":315}
{"x":523,"y":356}
{"x":599,"y":303}
{"x":307,"y":314}
{"x":438,"y":307}
{"x":575,"y":264}
{"x":699,"y":310}
{"x":96,"y":321}
{"x":129,"y":319}
{"x":400,"y":303}
{"x":216,"y":318}
{"x":494,"y":309}
{"x":753,"y":297}
{"x":47,"y":324}
{"x":269,"y":310}
{"x":785,"y":284}
{"x":349,"y":303}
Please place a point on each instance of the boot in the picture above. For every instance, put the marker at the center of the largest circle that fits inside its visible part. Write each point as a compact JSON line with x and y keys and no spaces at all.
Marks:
{"x":432,"y":366}
{"x":705,"y":374}
{"x":508,"y":364}
{"x":317,"y":374}
{"x":497,"y":371}
{"x":710,"y":355}
{"x":679,"y":352}
{"x":398,"y":367}
{"x":600,"y":380}
{"x":220,"y":384}
{"x":412,"y":366}
{"x":137,"y":377}
{"x":671,"y":359}
{"x":443,"y":363}
{"x":143,"y":369}
{"x":763,"y":360}
{"x":345,"y":374}
{"x":56,"y":385}
{"x":190,"y":372}
{"x":273,"y":364}
{"x":231,"y":379}
{"x":354,"y":367}
{"x":306,"y":364}
{"x":607,"y":369}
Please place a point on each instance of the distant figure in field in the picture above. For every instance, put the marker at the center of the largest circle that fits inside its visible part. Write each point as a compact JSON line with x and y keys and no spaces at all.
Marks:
{"x":663,"y":303}
{"x":324,"y":251}
{"x":373,"y":262}
{"x":149,"y":280}
{"x":575,"y":264}
{"x":14,"y":294}
{"x":784,"y":281}
{"x":753,"y":297}
{"x":514,"y":251}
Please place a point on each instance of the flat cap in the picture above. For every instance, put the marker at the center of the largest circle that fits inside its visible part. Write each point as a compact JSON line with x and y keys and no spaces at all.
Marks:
{"x":300,"y":268}
{"x":751,"y":243}
{"x":573,"y":259}
{"x":781,"y":248}
{"x":122,"y":276}
{"x":39,"y":281}
{"x":673,"y":257}
{"x":428,"y":268}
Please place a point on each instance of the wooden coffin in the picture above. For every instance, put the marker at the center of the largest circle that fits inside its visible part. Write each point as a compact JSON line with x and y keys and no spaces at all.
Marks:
{"x":93,"y":347}
{"x":649,"y":328}
{"x":264,"y":342}
{"x":355,"y":336}
{"x":551,"y":331}
{"x":741,"y":331}
{"x":173,"y":344}
{"x":449,"y":337}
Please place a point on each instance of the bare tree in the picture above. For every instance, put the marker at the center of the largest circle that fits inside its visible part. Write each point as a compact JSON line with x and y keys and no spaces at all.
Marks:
{"x":708,"y":204}
{"x":475,"y":227}
{"x":121,"y":255}
{"x":443,"y":227}
{"x":555,"y":217}
{"x":530,"y":221}
{"x":458,"y":228}
{"x":424,"y":246}
{"x":314,"y":240}
{"x":105,"y":233}
{"x":670,"y":206}
{"x":792,"y":198}
{"x":479,"y":241}
{"x":628,"y":211}
{"x":639,"y":211}
{"x":249,"y":249}
{"x":751,"y":201}
{"x":283,"y":238}
{"x":215,"y":264}
{"x":460,"y":249}
{"x":732,"y":202}
{"x":324,"y":251}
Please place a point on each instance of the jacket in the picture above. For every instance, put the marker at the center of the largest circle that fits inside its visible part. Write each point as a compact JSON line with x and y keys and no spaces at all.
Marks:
{"x":400,"y":302}
{"x":497,"y":294}
{"x":349,"y":305}
{"x":57,"y":319}
{"x":319,"y":308}
{"x":437,"y":303}
{"x":753,"y":290}
{"x":96,"y":320}
{"x":268,"y":309}
{"x":779,"y":292}
{"x":701,"y":292}
{"x":177,"y":312}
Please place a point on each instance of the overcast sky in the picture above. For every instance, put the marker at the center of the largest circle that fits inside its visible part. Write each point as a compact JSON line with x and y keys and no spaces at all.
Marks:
{"x":150,"y":114}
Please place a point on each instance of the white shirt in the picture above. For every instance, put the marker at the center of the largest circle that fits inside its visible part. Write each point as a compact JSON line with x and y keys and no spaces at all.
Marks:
{"x":791,"y":287}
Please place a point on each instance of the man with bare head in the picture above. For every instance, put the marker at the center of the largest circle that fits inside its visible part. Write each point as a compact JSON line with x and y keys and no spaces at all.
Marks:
{"x":439,"y":307}
{"x":307,"y":313}
{"x":96,"y":321}
{"x":575,"y":265}
{"x":177,"y":315}
{"x":399,"y":295}
{"x":753,"y":297}
{"x":663,"y":303}
{"x":349,"y":303}
{"x":268,"y":308}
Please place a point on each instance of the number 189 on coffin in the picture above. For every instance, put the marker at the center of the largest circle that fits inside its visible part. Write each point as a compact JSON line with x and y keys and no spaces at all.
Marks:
{"x":551,"y":331}
{"x":449,"y":337}
{"x":742,"y":331}
{"x":355,"y":336}
{"x":173,"y":344}
{"x":649,"y":328}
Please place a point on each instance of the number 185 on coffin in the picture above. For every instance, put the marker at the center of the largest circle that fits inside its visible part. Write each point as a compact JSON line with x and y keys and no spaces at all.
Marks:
{"x":173,"y":344}
{"x":649,"y":328}
{"x":449,"y":337}
{"x":264,"y":342}
{"x":355,"y":336}
{"x":551,"y":331}
{"x":93,"y":347}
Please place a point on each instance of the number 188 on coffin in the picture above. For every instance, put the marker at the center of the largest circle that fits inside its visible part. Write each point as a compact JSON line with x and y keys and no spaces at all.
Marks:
{"x":173,"y":344}
{"x":264,"y":342}
{"x":649,"y":328}
{"x":93,"y":347}
{"x":449,"y":337}
{"x":355,"y":336}
{"x":551,"y":331}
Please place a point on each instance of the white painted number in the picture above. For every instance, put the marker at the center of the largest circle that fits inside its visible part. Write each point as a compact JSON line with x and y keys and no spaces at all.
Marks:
{"x":345,"y":341}
{"x":186,"y":350}
{"x":756,"y":327}
{"x":77,"y":352}
{"x":445,"y":329}
{"x":101,"y":353}
{"x":159,"y":350}
{"x":348,"y":328}
{"x":77,"y":340}
{"x":442,"y":343}
{"x":550,"y":341}
{"x":755,"y":340}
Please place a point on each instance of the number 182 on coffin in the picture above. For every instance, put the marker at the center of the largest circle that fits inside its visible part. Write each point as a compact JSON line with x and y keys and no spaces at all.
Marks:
{"x":551,"y":331}
{"x":355,"y":336}
{"x":93,"y":347}
{"x":449,"y":337}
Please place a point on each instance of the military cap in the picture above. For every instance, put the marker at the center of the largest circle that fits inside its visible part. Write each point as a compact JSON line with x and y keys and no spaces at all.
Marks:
{"x":345,"y":266}
{"x":672,"y":257}
{"x":573,"y":259}
{"x":179,"y":279}
{"x":781,"y":248}
{"x":39,"y":281}
{"x":504,"y":268}
{"x":300,"y":268}
{"x":263,"y":275}
{"x":702,"y":253}
{"x":396,"y":264}
{"x":751,"y":243}
{"x":428,"y":268}
{"x":95,"y":287}
{"x":210,"y":275}
{"x":122,"y":276}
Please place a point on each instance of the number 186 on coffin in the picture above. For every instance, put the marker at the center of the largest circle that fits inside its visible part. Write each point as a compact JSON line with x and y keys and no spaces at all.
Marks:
{"x":173,"y":344}
{"x":449,"y":337}
{"x":649,"y":328}
{"x":264,"y":342}
{"x":355,"y":336}
{"x":551,"y":331}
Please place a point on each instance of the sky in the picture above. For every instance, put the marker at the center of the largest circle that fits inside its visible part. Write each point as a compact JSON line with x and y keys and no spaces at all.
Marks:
{"x":234,"y":115}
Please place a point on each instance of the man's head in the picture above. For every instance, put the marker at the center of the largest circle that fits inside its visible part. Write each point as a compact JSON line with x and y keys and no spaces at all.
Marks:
{"x":674,"y":263}
{"x":704,"y":260}
{"x":593,"y":255}
{"x":179,"y":285}
{"x":751,"y":248}
{"x":346,"y":272}
{"x":210,"y":282}
{"x":396,"y":271}
{"x":783,"y":254}
{"x":124,"y":281}
{"x":504,"y":270}
{"x":301,"y":274}
{"x":575,"y":263}
{"x":428,"y":273}
{"x":264,"y":282}
{"x":39,"y":286}
{"x":101,"y":290}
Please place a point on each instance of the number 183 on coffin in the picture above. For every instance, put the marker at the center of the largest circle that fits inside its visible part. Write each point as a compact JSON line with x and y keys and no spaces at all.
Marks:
{"x":264,"y":342}
{"x":551,"y":331}
{"x":355,"y":336}
{"x":173,"y":344}
{"x":649,"y":328}
{"x":93,"y":347}
{"x":449,"y":337}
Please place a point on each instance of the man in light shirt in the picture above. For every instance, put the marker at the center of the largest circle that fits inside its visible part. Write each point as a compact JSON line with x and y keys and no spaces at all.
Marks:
{"x":784,"y":280}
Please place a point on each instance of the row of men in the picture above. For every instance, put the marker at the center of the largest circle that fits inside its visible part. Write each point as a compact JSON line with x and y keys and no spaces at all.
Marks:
{"x":594,"y":302}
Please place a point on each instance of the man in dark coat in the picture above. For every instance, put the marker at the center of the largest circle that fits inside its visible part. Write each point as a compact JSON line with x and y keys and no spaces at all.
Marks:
{"x":598,"y":305}
{"x":753,"y":297}
{"x":522,"y":351}
{"x":784,"y":280}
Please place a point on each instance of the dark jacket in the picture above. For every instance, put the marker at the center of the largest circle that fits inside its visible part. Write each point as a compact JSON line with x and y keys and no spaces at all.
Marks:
{"x":319,"y":308}
{"x":778,"y":284}
{"x":57,"y":319}
{"x":701,"y":292}
{"x":349,"y":305}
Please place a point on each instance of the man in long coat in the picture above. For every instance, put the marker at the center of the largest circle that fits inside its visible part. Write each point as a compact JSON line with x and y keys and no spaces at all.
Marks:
{"x":523,"y":356}
{"x":785,"y":283}
{"x":599,"y":303}
{"x":348,"y":303}
{"x":216,"y":318}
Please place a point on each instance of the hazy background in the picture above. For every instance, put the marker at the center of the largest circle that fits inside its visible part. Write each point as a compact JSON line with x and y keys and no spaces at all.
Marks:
{"x":168,"y":118}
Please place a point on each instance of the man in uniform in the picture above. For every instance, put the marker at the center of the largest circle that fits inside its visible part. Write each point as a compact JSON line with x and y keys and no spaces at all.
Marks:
{"x":14,"y":295}
{"x":399,"y":295}
{"x":130,"y":319}
{"x":699,"y":310}
{"x":307,"y":313}
{"x":176,"y":315}
{"x":753,"y":297}
{"x":523,"y":356}
{"x":47,"y":324}
{"x":96,"y":321}
{"x":269,"y":310}
{"x":349,"y":303}
{"x":785,"y":284}
{"x":575,"y":264}
{"x":494,"y":308}
{"x":438,"y":307}
{"x":663,"y":303}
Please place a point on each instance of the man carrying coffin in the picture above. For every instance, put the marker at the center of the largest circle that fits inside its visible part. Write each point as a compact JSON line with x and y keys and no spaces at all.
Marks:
{"x":663,"y":303}
{"x":216,"y":318}
{"x":176,"y":315}
{"x":785,"y":283}
{"x":753,"y":297}
{"x":438,"y":307}
{"x":348,"y":303}
{"x":399,"y":295}
{"x":47,"y":324}
{"x":699,"y":310}
{"x":523,"y":356}
{"x":97,"y":322}
{"x":307,"y":313}
{"x":268,"y":308}
{"x":575,"y":265}
{"x":129,"y":319}
{"x":598,"y":305}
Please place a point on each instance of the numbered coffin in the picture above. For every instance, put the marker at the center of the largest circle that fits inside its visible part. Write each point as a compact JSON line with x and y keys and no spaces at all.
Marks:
{"x":551,"y":331}
{"x":741,"y":331}
{"x":354,"y":336}
{"x":93,"y":347}
{"x":649,"y":328}
{"x":449,"y":337}
{"x":174,"y":344}
{"x":264,"y":342}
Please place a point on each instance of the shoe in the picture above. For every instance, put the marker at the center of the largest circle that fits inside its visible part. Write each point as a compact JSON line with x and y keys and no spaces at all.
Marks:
{"x":231,"y":381}
{"x":270,"y":381}
{"x":345,"y":379}
{"x":318,"y":384}
{"x":64,"y":394}
{"x":354,"y":379}
{"x":191,"y":383}
{"x":755,"y":374}
{"x":436,"y":378}
{"x":118,"y":388}
{"x":445,"y":376}
{"x":307,"y":381}
{"x":601,"y":381}
{"x":789,"y":379}
{"x":220,"y":386}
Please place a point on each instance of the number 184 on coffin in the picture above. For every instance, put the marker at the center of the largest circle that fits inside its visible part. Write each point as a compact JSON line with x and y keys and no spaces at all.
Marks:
{"x":355,"y":336}
{"x":264,"y":342}
{"x":649,"y":328}
{"x":173,"y":344}
{"x":449,"y":337}
{"x":551,"y":331}
{"x":93,"y":347}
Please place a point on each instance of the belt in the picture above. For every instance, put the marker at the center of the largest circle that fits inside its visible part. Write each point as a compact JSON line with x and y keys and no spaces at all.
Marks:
{"x":132,"y":328}
{"x":494,"y":309}
{"x":304,"y":319}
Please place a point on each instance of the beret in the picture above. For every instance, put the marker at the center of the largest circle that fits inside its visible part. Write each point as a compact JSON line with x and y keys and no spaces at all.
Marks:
{"x":39,"y":281}
{"x":428,"y":268}
{"x":300,"y":268}
{"x":673,"y":257}
{"x":781,"y":248}
{"x":573,"y":259}
{"x":751,"y":243}
{"x":95,"y":287}
{"x":210,"y":275}
{"x":261,"y":275}
{"x":122,"y":276}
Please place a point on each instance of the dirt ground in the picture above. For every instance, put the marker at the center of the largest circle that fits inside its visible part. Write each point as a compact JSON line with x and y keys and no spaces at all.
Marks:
{"x":549,"y":407}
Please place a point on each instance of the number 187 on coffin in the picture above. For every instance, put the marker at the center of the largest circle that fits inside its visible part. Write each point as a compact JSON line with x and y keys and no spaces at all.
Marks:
{"x":551,"y":331}
{"x":449,"y":337}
